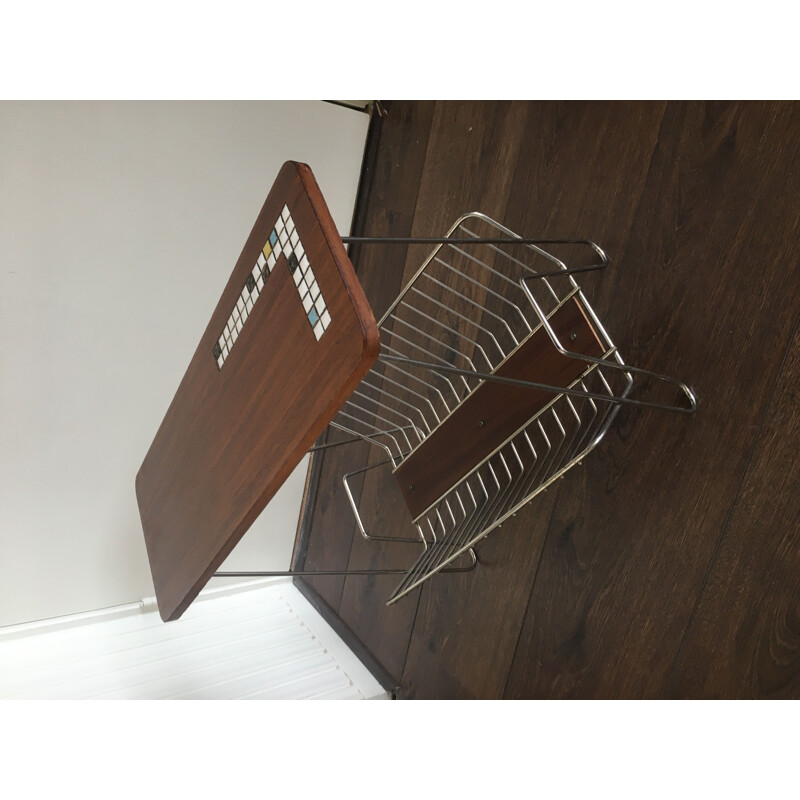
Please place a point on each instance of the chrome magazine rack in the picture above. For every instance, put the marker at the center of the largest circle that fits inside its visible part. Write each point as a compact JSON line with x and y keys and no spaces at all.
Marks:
{"x":494,"y":378}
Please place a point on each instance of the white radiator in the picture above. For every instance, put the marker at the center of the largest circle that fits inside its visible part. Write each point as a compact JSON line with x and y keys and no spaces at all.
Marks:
{"x":261,"y":640}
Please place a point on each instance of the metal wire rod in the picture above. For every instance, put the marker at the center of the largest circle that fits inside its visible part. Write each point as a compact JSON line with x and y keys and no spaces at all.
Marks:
{"x":354,"y":507}
{"x":308,"y":573}
{"x":602,"y":264}
{"x":626,"y":368}
{"x":319,"y":447}
{"x":455,"y":240}
{"x":558,"y":389}
{"x":292,"y":573}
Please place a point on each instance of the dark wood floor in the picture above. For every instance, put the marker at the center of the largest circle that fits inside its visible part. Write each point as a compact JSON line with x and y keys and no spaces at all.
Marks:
{"x":668,"y":565}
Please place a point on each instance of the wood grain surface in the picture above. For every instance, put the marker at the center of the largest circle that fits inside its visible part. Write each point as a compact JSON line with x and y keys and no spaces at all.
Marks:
{"x":232,"y":436}
{"x":744,"y":637}
{"x":666,"y":565}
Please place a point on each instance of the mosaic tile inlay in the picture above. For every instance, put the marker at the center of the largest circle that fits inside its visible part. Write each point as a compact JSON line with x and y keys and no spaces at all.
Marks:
{"x":283,"y":239}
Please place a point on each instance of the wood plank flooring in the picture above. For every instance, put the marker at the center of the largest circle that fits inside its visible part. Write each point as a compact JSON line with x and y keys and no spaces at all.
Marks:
{"x":668,"y":564}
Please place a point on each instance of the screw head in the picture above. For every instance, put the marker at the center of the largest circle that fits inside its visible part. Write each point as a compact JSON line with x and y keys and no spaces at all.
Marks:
{"x":573,"y":337}
{"x":480,"y":424}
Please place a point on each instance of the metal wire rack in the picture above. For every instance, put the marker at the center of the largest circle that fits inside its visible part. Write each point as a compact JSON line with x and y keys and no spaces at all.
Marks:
{"x":494,"y":378}
{"x":471,"y":306}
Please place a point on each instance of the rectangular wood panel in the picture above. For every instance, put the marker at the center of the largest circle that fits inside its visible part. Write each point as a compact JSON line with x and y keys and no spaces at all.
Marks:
{"x":252,"y":402}
{"x":495,"y":411}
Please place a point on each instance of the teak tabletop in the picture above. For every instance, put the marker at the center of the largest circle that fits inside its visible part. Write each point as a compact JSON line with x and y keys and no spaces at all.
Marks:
{"x":291,"y":337}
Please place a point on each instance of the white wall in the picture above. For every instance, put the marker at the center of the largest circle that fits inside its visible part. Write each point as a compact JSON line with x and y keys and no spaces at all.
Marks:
{"x":119,"y":225}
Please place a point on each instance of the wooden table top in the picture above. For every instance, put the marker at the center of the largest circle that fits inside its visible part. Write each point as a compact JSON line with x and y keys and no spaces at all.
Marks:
{"x":289,"y":340}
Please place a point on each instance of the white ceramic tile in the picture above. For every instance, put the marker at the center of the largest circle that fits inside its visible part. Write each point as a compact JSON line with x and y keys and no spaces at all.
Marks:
{"x":288,"y":243}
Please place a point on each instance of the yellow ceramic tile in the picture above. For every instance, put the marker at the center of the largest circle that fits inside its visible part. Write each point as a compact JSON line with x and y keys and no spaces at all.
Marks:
{"x":267,"y":250}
